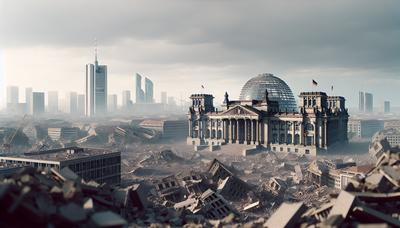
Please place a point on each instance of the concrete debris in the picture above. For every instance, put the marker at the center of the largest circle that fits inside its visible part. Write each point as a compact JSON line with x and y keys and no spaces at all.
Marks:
{"x":49,"y":198}
{"x":286,"y":191}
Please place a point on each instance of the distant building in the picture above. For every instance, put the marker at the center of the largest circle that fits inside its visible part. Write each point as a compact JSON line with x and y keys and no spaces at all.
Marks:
{"x":96,"y":89}
{"x":38,"y":106}
{"x":12,"y":96}
{"x":149,"y":93}
{"x":395,"y":123}
{"x":167,"y":128}
{"x":386,"y":106}
{"x":392,"y":135}
{"x":52,"y":101}
{"x":72,"y":103}
{"x":28,"y":99}
{"x":334,"y":173}
{"x":364,"y":128}
{"x":361,"y":102}
{"x":126,"y":99}
{"x":164,"y":98}
{"x":171,"y":101}
{"x":99,"y":165}
{"x":112,"y":103}
{"x":65,"y":134}
{"x":369,"y":103}
{"x":140,"y":97}
{"x":81,"y":104}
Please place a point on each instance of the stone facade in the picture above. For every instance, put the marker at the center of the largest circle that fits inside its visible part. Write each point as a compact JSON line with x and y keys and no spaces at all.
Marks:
{"x":320,"y":122}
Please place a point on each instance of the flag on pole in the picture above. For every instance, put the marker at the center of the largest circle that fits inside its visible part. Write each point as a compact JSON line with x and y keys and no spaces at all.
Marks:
{"x":314,"y":83}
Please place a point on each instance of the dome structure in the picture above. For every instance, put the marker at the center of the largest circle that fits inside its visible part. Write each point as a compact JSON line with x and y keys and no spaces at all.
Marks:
{"x":278,"y":90}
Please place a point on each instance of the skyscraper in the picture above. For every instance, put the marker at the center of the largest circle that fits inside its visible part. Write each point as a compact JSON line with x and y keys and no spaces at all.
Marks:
{"x":12,"y":95}
{"x":126,"y":98}
{"x":148,"y":86}
{"x":112,"y":102}
{"x":81,"y":104}
{"x":96,"y":88}
{"x":52,"y":101}
{"x":164,"y":98}
{"x":37,"y":103}
{"x":138,"y":89}
{"x":361,"y":107}
{"x":71,"y":102}
{"x":386,"y":107}
{"x":369,"y":102}
{"x":28,"y":99}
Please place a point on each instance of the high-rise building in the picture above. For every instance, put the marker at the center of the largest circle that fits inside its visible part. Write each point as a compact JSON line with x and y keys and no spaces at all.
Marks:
{"x":28,"y":99}
{"x":71,"y":102}
{"x":138,"y":89}
{"x":112,"y":102}
{"x":164,"y":98}
{"x":361,"y":107}
{"x":126,"y":98}
{"x":171,"y":101}
{"x":96,"y":89}
{"x":369,"y":102}
{"x":12,"y":95}
{"x":81,"y":104}
{"x":37,"y":103}
{"x":149,"y":93}
{"x":386,"y":107}
{"x":52,"y":101}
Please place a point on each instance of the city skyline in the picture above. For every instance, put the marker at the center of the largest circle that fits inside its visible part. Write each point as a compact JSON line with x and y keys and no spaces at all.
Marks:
{"x":354,"y":50}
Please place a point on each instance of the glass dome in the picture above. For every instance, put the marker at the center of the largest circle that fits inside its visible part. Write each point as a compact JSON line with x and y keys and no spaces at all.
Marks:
{"x":278,"y":90}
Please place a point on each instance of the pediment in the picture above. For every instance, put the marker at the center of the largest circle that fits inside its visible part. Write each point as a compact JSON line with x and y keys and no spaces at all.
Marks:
{"x":239,"y":110}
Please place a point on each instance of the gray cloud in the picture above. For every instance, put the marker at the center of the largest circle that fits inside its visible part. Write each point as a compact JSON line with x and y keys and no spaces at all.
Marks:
{"x":278,"y":36}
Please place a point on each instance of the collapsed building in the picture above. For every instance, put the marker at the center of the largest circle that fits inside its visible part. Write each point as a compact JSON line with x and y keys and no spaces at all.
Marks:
{"x":372,"y":199}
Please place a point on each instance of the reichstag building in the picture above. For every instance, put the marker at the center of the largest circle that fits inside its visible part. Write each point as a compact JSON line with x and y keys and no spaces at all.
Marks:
{"x":267,"y":115}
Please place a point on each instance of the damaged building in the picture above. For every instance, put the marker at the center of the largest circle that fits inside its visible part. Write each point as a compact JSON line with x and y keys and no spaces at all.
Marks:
{"x":100,"y":165}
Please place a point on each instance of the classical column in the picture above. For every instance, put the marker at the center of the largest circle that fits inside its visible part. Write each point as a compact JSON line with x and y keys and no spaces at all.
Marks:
{"x":257,"y":132}
{"x":315,"y":133}
{"x":199,"y":129}
{"x":224,"y":131}
{"x":266,"y":133}
{"x":245,"y":131}
{"x":320,"y":134}
{"x":190,"y":128}
{"x":301,"y":140}
{"x":293,"y":130}
{"x":230,"y":130}
{"x":237,"y":131}
{"x":254,"y":131}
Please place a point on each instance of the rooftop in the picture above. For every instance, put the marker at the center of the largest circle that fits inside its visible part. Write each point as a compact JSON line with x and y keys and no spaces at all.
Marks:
{"x":62,"y":154}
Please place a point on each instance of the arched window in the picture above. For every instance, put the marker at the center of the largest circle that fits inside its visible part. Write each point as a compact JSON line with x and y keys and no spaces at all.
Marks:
{"x":309,"y":127}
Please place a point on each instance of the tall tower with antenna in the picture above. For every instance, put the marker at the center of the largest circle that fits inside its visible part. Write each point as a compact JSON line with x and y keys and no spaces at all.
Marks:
{"x":96,"y":87}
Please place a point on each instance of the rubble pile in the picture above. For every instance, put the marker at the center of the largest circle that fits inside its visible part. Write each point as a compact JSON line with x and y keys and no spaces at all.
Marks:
{"x":161,"y":157}
{"x":38,"y":198}
{"x":372,"y":199}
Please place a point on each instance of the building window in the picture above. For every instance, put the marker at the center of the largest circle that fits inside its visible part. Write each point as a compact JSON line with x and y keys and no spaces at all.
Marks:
{"x":296,"y":139}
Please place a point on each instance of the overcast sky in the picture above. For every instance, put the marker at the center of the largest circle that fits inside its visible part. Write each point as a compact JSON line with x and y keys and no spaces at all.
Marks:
{"x":181,"y":45}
